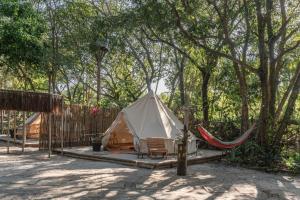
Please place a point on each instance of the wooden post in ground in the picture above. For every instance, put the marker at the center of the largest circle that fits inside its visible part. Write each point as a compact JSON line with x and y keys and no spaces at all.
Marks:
{"x":8,"y":130}
{"x":2,"y":113}
{"x":15,"y":127}
{"x":24,"y":131}
{"x":182,"y":147}
{"x":49,"y":134}
{"x":62,"y":127}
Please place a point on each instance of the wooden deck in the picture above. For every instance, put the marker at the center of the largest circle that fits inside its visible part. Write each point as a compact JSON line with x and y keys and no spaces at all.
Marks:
{"x":130,"y":158}
{"x":28,"y":143}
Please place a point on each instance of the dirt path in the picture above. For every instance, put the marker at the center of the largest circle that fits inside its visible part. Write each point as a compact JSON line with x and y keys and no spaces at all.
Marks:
{"x":33,"y":176}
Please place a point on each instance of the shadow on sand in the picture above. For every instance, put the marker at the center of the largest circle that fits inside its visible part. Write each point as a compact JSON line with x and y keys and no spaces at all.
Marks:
{"x":33,"y":176}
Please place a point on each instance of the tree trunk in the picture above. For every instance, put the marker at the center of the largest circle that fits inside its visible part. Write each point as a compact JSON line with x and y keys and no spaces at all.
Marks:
{"x":53,"y":83}
{"x":148,"y":82}
{"x":271,"y":45}
{"x":181,"y":87}
{"x":205,"y":104}
{"x":98,"y":82}
{"x":174,"y":85}
{"x":49,"y":82}
{"x":278,"y":66}
{"x":245,"y":110}
{"x":288,"y":113}
{"x":287,"y":93}
{"x":98,"y":78}
{"x":182,"y":160}
{"x":264,"y":109}
{"x":240,"y":73}
{"x":263,"y":75}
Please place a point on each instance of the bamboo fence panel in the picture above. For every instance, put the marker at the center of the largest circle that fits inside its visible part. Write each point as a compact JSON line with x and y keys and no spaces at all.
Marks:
{"x":78,"y":124}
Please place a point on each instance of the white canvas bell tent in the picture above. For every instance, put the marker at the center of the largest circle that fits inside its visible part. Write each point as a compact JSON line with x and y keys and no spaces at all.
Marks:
{"x":148,"y":117}
{"x":32,"y":126}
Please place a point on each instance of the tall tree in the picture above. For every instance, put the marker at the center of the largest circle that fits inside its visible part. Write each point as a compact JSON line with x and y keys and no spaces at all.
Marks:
{"x":22,"y":39}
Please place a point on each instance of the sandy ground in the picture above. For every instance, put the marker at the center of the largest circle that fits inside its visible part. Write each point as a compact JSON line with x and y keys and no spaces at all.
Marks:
{"x":33,"y":176}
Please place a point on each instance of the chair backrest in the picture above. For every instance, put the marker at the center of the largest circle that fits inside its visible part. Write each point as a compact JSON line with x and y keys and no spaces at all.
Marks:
{"x":156,"y":143}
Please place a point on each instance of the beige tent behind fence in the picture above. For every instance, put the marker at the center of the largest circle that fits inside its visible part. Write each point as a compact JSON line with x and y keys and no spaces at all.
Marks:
{"x":32,"y":126}
{"x":146,"y":118}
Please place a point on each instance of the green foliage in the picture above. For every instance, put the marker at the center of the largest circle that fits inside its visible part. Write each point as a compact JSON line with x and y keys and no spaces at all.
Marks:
{"x":149,"y":41}
{"x":22,"y":33}
{"x":252,"y":154}
{"x":291,"y":159}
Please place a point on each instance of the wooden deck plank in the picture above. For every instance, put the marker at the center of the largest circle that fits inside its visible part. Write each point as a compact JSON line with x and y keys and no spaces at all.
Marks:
{"x":132,"y":160}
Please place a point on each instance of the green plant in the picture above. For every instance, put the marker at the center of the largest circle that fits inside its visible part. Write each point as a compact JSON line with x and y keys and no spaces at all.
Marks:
{"x":291,"y":160}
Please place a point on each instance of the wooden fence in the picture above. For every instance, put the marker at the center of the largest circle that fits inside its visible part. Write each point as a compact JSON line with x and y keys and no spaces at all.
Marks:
{"x":78,"y":123}
{"x":30,"y":101}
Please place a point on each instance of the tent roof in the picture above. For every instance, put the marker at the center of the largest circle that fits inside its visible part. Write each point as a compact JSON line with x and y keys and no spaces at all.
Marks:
{"x":32,"y":118}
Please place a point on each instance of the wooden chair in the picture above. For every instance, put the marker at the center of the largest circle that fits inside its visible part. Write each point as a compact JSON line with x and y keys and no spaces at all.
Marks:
{"x":156,"y":146}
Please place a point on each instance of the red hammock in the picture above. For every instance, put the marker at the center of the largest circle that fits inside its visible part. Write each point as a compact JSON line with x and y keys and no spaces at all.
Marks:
{"x":224,"y":145}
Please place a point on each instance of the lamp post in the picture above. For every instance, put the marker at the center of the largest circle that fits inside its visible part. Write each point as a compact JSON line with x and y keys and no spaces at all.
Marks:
{"x":101,"y":48}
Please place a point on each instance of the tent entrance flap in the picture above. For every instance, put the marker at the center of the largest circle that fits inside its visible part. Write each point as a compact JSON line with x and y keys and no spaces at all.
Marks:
{"x":120,"y":137}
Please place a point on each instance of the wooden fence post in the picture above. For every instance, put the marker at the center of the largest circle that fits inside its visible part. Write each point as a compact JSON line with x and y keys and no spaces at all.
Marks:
{"x":8,"y":131}
{"x":49,"y":134}
{"x":24,"y":131}
{"x":2,"y":113}
{"x":62,"y":128}
{"x":15,"y":126}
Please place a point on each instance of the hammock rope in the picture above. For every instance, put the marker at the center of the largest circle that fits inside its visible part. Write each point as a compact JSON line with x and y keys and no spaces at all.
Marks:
{"x":221,"y":144}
